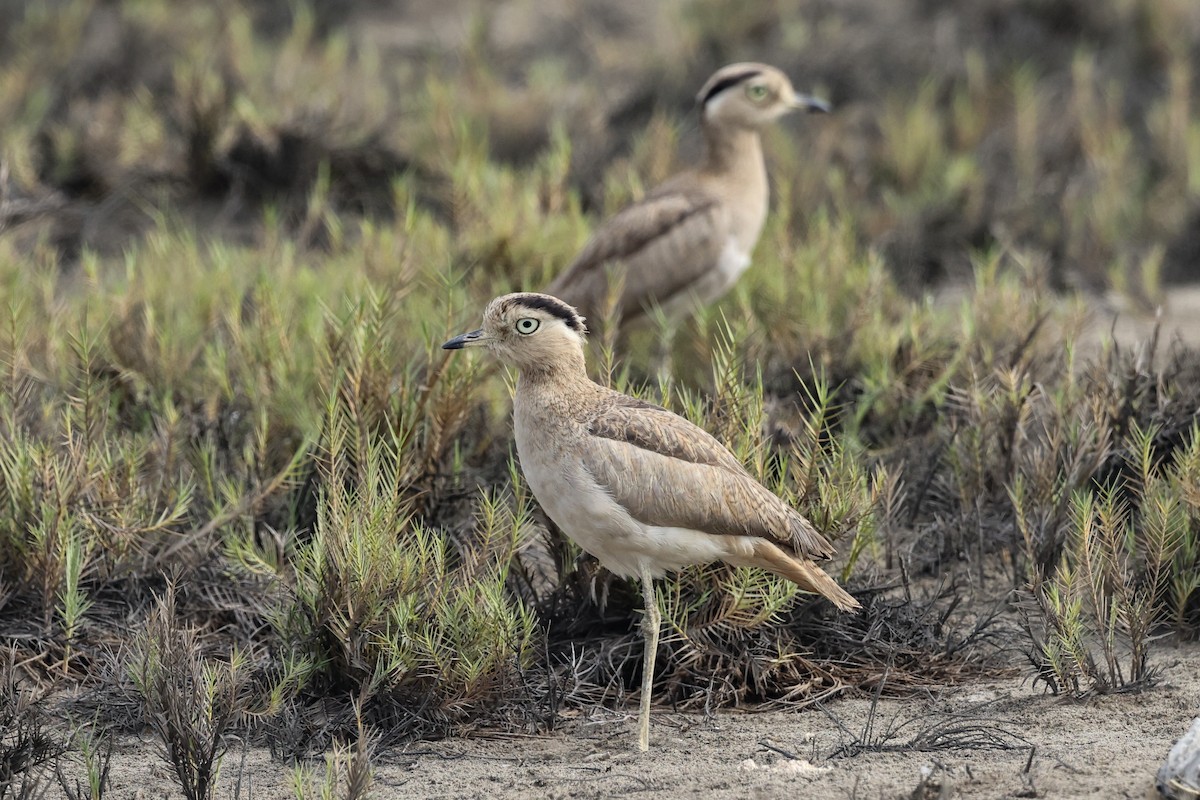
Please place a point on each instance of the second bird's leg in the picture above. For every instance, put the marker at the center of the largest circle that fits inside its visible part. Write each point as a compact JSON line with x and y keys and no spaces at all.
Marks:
{"x":651,"y":620}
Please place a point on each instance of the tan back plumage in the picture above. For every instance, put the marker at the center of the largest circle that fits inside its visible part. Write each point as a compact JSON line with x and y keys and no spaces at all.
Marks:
{"x":661,"y":246}
{"x":666,"y":471}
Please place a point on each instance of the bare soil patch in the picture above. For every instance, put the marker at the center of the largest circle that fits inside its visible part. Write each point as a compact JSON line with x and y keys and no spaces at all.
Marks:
{"x":1043,"y":746}
{"x":1179,"y":319}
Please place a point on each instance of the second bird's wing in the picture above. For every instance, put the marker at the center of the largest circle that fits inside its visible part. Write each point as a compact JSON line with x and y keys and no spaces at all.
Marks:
{"x":662,"y":244}
{"x":668,"y":472}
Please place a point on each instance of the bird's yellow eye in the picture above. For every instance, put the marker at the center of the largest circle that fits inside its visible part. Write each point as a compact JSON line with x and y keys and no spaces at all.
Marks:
{"x":527,"y":325}
{"x":757,"y":92}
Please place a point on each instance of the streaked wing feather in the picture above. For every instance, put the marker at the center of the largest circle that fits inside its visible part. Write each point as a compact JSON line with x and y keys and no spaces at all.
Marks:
{"x":667,"y":471}
{"x":665,"y":242}
{"x":654,"y":428}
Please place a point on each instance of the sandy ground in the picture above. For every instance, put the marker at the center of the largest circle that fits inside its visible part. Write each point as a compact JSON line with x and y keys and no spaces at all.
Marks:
{"x":1179,"y":318}
{"x":1103,"y":747}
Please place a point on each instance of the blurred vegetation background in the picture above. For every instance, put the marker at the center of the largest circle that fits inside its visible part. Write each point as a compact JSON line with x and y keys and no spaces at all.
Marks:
{"x":233,"y":235}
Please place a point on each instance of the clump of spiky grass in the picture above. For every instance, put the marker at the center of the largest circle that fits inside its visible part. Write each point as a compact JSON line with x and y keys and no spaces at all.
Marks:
{"x":717,"y":611}
{"x":28,"y":749}
{"x":194,"y":702}
{"x":386,"y":608}
{"x":93,"y":749}
{"x":1128,"y":567}
{"x":347,"y":766}
{"x":73,"y":509}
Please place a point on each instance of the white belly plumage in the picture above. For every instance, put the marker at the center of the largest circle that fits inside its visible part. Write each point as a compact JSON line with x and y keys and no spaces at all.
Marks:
{"x":730,"y":265}
{"x":711,"y":285}
{"x":593,"y":519}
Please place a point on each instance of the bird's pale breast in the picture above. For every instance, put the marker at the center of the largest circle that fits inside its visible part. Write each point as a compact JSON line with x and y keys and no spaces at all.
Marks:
{"x":588,"y":513}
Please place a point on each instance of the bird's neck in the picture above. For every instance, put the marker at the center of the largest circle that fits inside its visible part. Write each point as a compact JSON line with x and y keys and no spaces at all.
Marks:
{"x":550,"y":400}
{"x":734,"y":166}
{"x":733,"y":150}
{"x":567,"y":373}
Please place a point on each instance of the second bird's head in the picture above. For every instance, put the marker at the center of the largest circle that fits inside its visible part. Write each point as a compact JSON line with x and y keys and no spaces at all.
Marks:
{"x":528,"y":331}
{"x":750,"y":95}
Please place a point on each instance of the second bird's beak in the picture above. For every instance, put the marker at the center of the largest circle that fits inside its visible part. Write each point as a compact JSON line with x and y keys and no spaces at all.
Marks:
{"x":472,"y":339}
{"x":806,"y":102}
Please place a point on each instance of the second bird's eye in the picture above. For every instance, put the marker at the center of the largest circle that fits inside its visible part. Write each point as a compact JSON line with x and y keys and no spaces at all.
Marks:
{"x":756,"y":91}
{"x":527,"y":325}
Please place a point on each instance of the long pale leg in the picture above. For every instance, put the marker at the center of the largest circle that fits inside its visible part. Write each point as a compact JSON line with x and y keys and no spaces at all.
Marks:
{"x":651,"y":621}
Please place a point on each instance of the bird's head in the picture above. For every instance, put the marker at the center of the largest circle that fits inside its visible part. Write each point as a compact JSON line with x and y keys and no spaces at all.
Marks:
{"x":750,"y":95}
{"x":532,"y":332}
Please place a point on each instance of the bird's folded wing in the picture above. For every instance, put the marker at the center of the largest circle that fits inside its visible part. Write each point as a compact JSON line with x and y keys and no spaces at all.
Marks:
{"x":668,"y":472}
{"x":666,"y":242}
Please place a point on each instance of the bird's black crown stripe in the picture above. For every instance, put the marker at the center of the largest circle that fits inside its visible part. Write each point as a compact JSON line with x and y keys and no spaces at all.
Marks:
{"x":725,"y":83}
{"x":555,"y":308}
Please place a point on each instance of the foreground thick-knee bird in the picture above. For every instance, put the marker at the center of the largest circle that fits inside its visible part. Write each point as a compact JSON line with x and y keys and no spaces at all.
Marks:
{"x":637,"y":486}
{"x":688,"y":240}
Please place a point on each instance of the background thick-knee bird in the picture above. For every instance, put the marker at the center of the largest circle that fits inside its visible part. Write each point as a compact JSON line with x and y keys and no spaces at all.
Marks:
{"x":687,"y":242}
{"x":637,"y":486}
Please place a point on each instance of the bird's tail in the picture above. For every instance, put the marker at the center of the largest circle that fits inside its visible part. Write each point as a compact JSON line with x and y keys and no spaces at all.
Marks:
{"x":802,"y":572}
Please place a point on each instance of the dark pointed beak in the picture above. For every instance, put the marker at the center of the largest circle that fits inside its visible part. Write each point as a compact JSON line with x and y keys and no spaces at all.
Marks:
{"x":806,"y":102}
{"x":472,"y":339}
